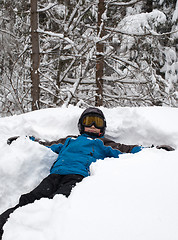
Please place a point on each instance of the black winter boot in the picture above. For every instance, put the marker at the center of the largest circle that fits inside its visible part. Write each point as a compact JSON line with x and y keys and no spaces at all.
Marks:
{"x":1,"y":233}
{"x":4,"y":216}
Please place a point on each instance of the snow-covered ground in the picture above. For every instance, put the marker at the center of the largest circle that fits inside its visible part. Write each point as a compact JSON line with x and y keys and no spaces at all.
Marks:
{"x":133,"y":197}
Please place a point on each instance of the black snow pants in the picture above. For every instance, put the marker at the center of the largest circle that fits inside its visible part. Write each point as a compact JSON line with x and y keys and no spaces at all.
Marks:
{"x":50,"y":186}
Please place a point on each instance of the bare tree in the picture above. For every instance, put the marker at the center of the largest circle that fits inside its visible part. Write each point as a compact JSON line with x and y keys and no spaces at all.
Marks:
{"x":100,"y":54}
{"x":35,"y":90}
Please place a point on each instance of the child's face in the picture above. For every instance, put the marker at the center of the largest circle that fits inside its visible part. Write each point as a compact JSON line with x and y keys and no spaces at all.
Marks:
{"x":92,"y":129}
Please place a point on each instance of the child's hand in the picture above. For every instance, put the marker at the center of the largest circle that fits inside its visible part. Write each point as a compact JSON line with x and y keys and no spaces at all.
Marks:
{"x":165,"y":147}
{"x":11,"y":139}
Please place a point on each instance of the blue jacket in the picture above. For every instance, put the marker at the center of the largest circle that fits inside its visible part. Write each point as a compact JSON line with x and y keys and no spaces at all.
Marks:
{"x":77,"y":154}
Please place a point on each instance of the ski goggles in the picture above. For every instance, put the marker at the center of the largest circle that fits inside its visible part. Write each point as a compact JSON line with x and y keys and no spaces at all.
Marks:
{"x":97,"y":121}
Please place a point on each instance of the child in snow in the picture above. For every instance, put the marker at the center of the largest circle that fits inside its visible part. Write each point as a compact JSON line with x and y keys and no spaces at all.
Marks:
{"x":75,"y":155}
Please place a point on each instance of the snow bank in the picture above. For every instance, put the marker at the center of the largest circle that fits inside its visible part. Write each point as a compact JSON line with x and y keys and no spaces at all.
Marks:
{"x":133,"y":197}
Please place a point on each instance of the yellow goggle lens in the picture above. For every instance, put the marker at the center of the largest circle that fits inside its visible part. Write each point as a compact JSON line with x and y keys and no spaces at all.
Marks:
{"x":88,"y":121}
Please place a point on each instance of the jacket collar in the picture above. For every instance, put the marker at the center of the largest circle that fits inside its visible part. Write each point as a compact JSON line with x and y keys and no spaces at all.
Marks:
{"x":91,"y":135}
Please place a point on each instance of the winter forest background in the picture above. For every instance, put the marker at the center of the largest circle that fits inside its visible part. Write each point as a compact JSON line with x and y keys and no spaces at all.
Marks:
{"x":92,"y":52}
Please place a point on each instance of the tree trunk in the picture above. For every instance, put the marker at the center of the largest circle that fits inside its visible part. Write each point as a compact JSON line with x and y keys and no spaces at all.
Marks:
{"x":35,"y":58}
{"x":100,"y":55}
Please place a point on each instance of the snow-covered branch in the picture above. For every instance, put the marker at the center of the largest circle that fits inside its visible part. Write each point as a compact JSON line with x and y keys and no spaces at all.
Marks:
{"x":59,"y":35}
{"x":7,"y":32}
{"x":50,"y":5}
{"x":124,"y":4}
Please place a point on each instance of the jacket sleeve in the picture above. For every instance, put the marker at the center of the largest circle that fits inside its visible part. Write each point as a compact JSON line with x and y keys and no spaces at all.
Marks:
{"x":110,"y":152}
{"x":122,"y":147}
{"x":55,"y":146}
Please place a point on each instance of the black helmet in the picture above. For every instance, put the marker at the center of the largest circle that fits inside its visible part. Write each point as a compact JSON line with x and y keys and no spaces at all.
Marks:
{"x":92,"y":111}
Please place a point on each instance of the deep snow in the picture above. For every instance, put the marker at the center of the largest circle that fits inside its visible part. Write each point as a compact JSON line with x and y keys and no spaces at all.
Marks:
{"x":133,"y":197}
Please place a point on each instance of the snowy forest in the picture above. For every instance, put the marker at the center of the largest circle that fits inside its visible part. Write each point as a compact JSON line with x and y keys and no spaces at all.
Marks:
{"x":93,"y":52}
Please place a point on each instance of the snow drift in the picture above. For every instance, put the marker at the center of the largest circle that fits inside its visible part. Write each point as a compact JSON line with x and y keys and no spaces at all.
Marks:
{"x":132,"y":197}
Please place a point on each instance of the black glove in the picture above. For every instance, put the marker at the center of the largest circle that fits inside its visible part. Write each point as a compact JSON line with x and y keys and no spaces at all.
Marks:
{"x":165,"y":147}
{"x":11,"y":139}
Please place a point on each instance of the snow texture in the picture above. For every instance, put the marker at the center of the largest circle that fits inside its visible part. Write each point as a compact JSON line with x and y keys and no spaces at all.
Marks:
{"x":132,"y":197}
